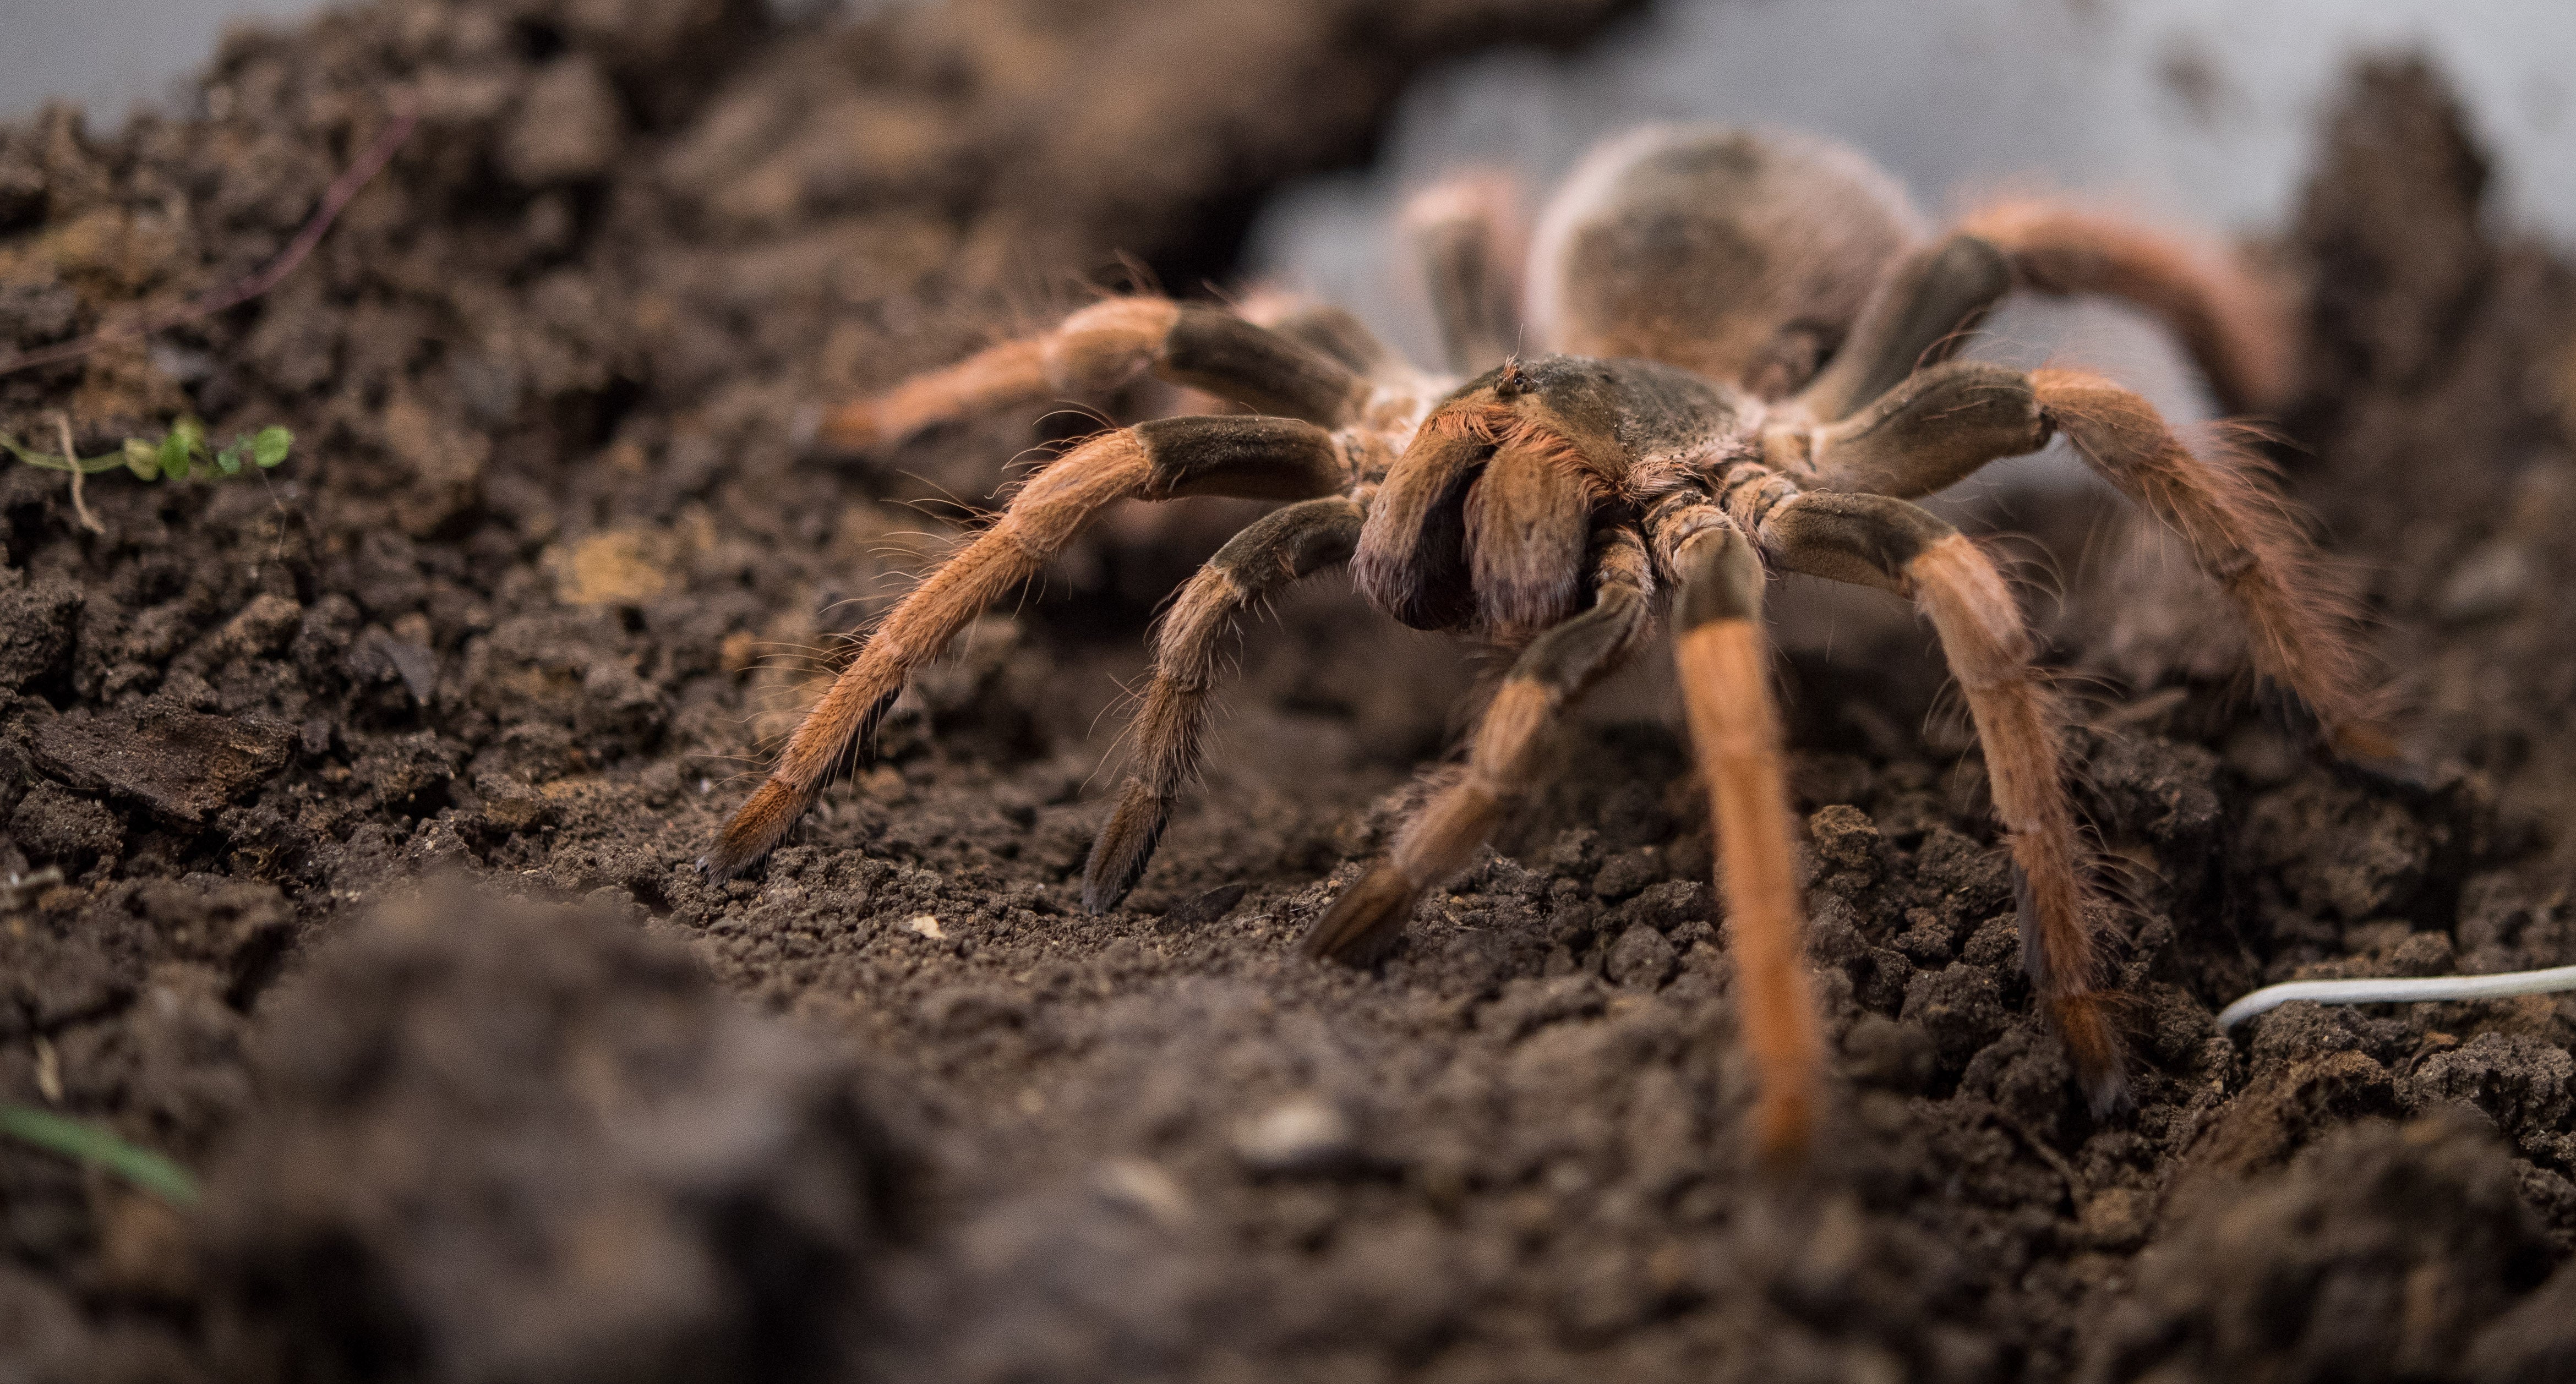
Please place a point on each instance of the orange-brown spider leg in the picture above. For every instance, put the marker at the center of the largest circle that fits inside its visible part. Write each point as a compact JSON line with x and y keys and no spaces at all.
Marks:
{"x":1273,"y":551}
{"x":2245,"y":537}
{"x":1878,"y":541}
{"x":1443,"y":835}
{"x":1725,"y":670}
{"x":2235,"y":326}
{"x":1943,"y":423}
{"x":1269,"y":458}
{"x":1469,"y":233}
{"x":1102,"y":347}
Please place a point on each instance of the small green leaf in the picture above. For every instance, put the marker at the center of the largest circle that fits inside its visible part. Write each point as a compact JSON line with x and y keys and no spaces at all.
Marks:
{"x":269,"y":448}
{"x":228,"y":460}
{"x":84,"y":1142}
{"x":174,"y":456}
{"x":142,"y":459}
{"x":194,"y":431}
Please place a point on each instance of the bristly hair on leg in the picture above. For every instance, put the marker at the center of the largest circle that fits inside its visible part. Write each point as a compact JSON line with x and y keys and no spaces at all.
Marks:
{"x":2243,"y":534}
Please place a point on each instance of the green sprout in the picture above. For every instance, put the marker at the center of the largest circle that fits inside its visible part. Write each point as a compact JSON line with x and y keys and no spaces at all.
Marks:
{"x":181,"y":455}
{"x":86,"y":1143}
{"x":184,"y":454}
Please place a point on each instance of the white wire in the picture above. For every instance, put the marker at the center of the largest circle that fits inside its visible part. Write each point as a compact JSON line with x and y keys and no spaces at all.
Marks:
{"x":2384,"y":990}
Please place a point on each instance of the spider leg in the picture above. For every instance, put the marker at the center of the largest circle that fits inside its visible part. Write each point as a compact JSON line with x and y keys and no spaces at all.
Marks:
{"x":1325,"y":329}
{"x":1930,"y":428}
{"x":1919,"y":315}
{"x":1104,"y":346}
{"x":1879,"y":541}
{"x":1940,"y":424}
{"x":2244,"y":536}
{"x":1443,"y":835}
{"x":2234,"y":326}
{"x":1269,"y":458}
{"x":1719,"y":648}
{"x":1469,"y":235}
{"x":1273,"y":551}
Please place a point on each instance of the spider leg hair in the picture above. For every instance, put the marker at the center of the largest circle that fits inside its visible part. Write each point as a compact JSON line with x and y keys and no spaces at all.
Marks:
{"x":1919,"y":315}
{"x":2246,"y":538}
{"x":2235,"y":327}
{"x":1472,"y":238}
{"x":1877,"y":541}
{"x":1267,"y":555}
{"x":1102,"y":347}
{"x":1442,"y":837}
{"x":1269,"y":458}
{"x":1725,"y":666}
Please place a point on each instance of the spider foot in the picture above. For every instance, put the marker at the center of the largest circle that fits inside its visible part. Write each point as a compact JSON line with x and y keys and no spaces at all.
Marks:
{"x":1365,"y":922}
{"x":755,"y":830}
{"x":2084,"y":1024}
{"x":1120,"y":853}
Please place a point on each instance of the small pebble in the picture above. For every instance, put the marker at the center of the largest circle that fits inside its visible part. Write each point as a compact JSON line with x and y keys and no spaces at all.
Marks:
{"x":2489,"y":581}
{"x":1144,"y":1188}
{"x":1304,"y":1135}
{"x":926,"y":925}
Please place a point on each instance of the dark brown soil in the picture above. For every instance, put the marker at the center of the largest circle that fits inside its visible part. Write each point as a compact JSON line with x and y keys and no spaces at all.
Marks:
{"x":373,"y":789}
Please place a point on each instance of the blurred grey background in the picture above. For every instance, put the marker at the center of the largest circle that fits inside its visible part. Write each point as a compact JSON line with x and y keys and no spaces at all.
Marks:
{"x":2196,"y":112}
{"x":2193,"y":111}
{"x":110,"y":54}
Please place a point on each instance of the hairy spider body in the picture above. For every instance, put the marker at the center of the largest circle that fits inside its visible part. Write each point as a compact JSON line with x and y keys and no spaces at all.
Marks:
{"x":1749,"y":338}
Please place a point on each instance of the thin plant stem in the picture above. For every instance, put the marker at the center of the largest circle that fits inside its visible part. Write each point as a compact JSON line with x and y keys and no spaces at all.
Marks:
{"x":83,"y":1142}
{"x":80,"y":507}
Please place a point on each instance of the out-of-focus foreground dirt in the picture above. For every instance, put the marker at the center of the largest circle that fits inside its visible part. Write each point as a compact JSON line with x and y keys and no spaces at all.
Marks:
{"x":374,"y":789}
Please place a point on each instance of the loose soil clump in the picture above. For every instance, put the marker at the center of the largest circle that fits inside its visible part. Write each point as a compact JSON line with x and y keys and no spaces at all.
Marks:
{"x":371,"y":795}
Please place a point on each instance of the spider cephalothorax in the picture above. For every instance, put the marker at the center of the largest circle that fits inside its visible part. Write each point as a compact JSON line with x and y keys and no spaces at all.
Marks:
{"x":1758,"y":374}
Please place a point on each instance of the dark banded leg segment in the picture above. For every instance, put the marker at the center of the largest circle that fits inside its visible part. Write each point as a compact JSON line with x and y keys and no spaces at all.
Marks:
{"x":1877,"y":541}
{"x":1273,"y":551}
{"x":1327,"y":330}
{"x":1104,"y":346}
{"x":1725,"y":671}
{"x":1927,"y":430}
{"x":1267,"y":457}
{"x":1443,"y":835}
{"x":1918,"y":316}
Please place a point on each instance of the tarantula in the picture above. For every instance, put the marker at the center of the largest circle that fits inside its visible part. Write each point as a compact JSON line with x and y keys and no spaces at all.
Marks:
{"x":1750,"y":338}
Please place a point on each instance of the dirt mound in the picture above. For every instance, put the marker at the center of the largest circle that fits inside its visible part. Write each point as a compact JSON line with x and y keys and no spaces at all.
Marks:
{"x":498,"y":1142}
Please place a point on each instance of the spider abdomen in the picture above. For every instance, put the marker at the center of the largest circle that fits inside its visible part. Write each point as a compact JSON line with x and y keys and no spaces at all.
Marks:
{"x":1742,"y":255}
